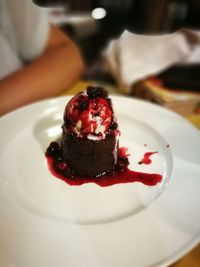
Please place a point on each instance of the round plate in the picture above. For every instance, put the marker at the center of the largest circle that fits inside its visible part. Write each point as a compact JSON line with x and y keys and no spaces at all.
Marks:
{"x":52,"y":223}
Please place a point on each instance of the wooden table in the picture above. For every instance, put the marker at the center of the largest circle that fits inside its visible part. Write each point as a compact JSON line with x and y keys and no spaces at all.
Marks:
{"x":192,"y":259}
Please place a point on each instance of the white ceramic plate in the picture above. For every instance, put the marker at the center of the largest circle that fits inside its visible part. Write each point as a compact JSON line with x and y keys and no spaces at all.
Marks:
{"x":47,"y":223}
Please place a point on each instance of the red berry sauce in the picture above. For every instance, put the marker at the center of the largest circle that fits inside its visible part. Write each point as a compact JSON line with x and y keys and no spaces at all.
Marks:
{"x":146,"y":158}
{"x":120,"y":174}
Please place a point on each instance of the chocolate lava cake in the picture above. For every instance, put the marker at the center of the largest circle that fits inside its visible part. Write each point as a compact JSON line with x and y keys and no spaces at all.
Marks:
{"x":90,"y":135}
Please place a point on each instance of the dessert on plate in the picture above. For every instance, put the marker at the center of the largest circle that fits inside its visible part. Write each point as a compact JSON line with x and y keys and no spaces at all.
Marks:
{"x":88,"y":150}
{"x":90,"y":133}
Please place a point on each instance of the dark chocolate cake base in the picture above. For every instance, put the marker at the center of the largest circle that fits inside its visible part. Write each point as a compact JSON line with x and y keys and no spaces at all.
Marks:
{"x":89,"y":157}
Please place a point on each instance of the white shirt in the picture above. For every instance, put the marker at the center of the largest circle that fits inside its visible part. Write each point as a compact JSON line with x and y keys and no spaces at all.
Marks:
{"x":23,"y":34}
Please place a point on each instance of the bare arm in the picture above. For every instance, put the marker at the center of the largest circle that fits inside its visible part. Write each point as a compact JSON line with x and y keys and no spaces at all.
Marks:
{"x":55,"y":70}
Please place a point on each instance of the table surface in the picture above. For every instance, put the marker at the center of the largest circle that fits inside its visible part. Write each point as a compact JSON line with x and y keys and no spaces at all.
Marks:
{"x":192,"y":259}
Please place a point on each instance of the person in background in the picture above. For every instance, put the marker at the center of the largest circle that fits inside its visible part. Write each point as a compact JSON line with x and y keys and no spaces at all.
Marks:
{"x":37,"y":60}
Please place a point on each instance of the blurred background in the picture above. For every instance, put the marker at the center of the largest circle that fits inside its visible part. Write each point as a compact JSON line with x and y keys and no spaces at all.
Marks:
{"x":92,"y":23}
